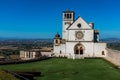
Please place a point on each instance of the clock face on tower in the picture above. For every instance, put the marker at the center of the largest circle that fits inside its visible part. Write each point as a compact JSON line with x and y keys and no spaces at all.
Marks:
{"x":79,"y":35}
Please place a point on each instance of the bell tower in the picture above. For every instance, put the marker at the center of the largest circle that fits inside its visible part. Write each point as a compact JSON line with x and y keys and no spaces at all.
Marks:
{"x":68,"y":18}
{"x":57,"y":40}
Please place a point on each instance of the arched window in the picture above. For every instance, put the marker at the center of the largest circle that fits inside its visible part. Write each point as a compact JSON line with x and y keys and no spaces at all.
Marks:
{"x":65,"y":16}
{"x":60,"y":51}
{"x":77,"y":52}
{"x":81,"y":50}
{"x":103,"y":53}
{"x":68,"y":16}
{"x":56,"y":41}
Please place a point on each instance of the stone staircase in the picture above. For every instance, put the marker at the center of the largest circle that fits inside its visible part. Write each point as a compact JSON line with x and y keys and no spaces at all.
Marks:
{"x":79,"y":57}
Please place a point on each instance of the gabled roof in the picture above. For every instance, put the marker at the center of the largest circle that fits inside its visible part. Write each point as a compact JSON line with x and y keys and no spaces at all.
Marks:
{"x":83,"y":23}
{"x":72,"y":23}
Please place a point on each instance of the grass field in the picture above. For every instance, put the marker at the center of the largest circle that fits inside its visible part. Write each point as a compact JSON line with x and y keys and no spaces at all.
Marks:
{"x":68,"y":69}
{"x":6,"y":76}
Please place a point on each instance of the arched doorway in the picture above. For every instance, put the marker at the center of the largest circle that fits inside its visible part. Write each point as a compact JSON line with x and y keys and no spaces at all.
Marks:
{"x":79,"y":49}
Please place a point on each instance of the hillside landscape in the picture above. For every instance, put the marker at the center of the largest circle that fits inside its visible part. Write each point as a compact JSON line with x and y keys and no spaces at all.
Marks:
{"x":112,"y":43}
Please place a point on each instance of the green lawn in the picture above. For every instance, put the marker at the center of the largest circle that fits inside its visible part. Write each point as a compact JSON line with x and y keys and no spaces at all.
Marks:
{"x":68,"y":69}
{"x":6,"y":76}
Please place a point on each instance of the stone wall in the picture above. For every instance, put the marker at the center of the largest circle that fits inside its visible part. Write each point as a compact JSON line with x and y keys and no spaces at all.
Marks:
{"x":113,"y":56}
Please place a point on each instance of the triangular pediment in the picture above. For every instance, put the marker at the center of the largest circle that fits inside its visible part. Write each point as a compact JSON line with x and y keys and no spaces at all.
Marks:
{"x":79,"y":24}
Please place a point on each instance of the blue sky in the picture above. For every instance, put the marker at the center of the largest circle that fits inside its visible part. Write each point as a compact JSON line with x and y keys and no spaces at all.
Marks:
{"x":43,"y":18}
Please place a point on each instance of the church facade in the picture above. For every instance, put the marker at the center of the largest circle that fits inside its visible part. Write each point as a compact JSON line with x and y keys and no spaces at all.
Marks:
{"x":79,"y":39}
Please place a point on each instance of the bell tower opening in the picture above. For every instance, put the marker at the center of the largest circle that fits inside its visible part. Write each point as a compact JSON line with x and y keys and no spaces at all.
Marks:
{"x":57,"y":40}
{"x":68,"y":15}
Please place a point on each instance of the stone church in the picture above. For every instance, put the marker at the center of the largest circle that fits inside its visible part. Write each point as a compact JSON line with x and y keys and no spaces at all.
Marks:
{"x":79,"y":39}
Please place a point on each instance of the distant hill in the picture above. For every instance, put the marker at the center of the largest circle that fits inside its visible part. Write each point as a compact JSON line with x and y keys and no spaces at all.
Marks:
{"x":22,"y":39}
{"x":111,"y":40}
{"x":108,"y":40}
{"x":112,"y":43}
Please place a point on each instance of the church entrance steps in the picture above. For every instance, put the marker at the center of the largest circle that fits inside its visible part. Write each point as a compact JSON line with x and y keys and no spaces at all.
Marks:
{"x":79,"y":57}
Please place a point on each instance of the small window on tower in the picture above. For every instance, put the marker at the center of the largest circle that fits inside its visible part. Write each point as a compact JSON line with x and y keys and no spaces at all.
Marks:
{"x":56,"y":41}
{"x":65,"y":16}
{"x":68,"y":16}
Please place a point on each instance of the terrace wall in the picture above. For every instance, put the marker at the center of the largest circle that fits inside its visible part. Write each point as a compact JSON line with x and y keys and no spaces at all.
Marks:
{"x":113,"y":56}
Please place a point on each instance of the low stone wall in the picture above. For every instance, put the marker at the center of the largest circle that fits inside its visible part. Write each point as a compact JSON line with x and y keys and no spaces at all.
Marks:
{"x":48,"y":54}
{"x":24,"y":61}
{"x":113,"y":57}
